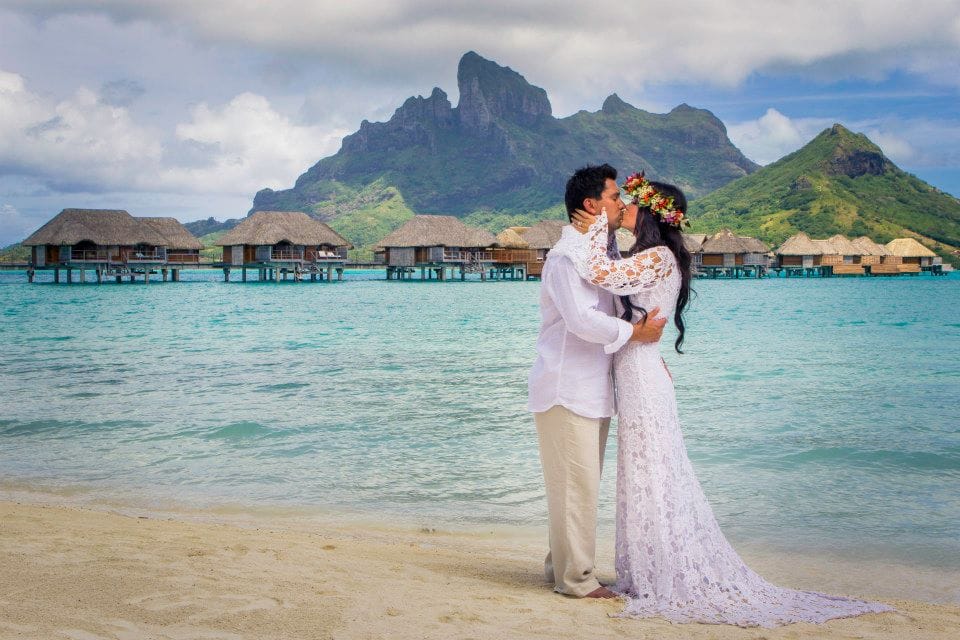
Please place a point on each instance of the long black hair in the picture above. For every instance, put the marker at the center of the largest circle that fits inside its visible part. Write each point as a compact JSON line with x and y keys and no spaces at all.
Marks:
{"x":650,"y":232}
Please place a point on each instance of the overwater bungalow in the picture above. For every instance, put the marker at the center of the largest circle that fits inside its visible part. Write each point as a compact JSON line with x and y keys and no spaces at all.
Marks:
{"x":727,"y":254}
{"x":840,"y":256}
{"x":183,"y":248}
{"x":511,"y":255}
{"x":798,"y":255}
{"x":436,"y":245}
{"x":541,"y":237}
{"x":915,"y":256}
{"x":279,"y":244}
{"x":110,"y":243}
{"x":694,"y":244}
{"x":875,"y":258}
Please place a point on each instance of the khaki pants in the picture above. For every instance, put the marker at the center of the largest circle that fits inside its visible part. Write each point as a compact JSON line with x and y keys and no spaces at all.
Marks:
{"x":571,"y":452}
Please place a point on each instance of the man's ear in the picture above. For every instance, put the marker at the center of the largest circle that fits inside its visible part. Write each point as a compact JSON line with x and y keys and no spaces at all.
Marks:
{"x":591,"y":207}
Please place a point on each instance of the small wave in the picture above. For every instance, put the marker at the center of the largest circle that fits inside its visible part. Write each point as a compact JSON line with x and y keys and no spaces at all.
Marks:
{"x":282,"y":386}
{"x":904,"y":460}
{"x":240,"y":431}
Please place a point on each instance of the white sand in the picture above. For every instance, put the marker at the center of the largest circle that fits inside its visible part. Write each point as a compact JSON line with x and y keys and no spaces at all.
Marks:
{"x":68,"y":572}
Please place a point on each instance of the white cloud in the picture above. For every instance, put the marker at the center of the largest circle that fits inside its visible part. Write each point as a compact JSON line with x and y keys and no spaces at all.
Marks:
{"x":916,"y":142}
{"x":571,"y":47}
{"x":252,"y":146}
{"x":83,"y":144}
{"x":76,"y":142}
{"x":270,"y":88}
{"x":13,"y":225}
{"x":774,"y":135}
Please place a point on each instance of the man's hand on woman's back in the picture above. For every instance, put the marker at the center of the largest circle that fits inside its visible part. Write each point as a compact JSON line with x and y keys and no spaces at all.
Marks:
{"x":650,"y":329}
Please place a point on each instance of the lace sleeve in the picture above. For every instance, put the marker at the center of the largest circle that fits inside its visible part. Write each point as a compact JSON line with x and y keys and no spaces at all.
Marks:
{"x":627,"y":276}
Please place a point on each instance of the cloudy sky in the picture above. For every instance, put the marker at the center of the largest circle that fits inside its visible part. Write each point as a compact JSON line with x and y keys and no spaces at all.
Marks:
{"x":188,"y":107}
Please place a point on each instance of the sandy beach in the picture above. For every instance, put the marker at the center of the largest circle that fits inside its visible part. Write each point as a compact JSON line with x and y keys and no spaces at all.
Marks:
{"x":84,"y":574}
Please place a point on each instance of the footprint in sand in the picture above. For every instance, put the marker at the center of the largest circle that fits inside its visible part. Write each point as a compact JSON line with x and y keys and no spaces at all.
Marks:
{"x":460,"y":617}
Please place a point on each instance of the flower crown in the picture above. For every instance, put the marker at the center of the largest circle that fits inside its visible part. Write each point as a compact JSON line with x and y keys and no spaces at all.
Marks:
{"x":643,"y":194}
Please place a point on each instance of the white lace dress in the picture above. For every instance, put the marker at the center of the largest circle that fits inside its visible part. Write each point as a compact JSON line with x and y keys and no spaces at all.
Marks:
{"x":672,"y":560}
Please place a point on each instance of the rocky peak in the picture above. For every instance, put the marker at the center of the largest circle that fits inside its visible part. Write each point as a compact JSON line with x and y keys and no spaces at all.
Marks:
{"x":489,"y":92}
{"x":435,"y":109}
{"x":615,"y":104}
{"x":854,"y":155}
{"x":858,"y":163}
{"x":415,"y":122}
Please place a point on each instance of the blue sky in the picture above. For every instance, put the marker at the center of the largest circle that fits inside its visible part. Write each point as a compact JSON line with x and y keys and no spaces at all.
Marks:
{"x":184,"y":108}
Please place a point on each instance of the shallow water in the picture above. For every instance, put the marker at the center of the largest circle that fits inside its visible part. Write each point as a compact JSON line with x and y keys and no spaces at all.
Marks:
{"x":820,"y":415}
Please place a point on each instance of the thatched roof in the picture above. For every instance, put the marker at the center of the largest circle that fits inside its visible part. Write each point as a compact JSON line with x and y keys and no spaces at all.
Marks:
{"x":754,"y":245}
{"x":103,"y":227}
{"x":694,"y":241}
{"x":176,"y":234}
{"x":724,"y":241}
{"x":799,"y":244}
{"x":272,"y":227}
{"x":544,"y":234}
{"x":843,"y":246}
{"x":870,"y":248}
{"x":510,"y":239}
{"x":437,"y":231}
{"x":909,"y":248}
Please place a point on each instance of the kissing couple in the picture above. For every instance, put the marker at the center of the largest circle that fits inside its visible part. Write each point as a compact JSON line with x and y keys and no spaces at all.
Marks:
{"x":598,"y":353}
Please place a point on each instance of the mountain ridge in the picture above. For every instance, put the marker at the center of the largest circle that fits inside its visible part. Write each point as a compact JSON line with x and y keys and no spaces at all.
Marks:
{"x":501,"y":154}
{"x":839,"y":182}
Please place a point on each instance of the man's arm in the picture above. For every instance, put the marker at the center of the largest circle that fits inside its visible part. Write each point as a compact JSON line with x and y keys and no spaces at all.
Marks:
{"x":583,"y":319}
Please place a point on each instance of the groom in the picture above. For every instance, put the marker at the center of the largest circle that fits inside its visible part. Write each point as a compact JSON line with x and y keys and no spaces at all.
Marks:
{"x":571,"y":387}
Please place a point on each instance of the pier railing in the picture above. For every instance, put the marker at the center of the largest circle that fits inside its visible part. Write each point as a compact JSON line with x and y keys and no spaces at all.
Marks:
{"x":157,"y":255}
{"x":89,"y":255}
{"x":467,"y":256}
{"x":279,"y":254}
{"x":183,"y":258}
{"x":515,"y":256}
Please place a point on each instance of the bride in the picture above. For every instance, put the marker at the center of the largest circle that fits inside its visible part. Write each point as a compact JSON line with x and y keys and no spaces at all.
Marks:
{"x":672,"y":560}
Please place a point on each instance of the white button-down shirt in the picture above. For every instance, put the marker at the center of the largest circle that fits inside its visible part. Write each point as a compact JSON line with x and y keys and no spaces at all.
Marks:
{"x":578,"y":335}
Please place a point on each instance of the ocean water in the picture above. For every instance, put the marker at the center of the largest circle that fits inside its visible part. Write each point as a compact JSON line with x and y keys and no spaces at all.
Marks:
{"x":820,"y":415}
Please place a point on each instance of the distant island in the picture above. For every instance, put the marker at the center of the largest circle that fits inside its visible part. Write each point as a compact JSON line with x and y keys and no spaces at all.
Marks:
{"x":500,"y":159}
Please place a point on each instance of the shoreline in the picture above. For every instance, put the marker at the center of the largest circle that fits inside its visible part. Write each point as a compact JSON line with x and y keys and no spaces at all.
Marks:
{"x":89,"y":571}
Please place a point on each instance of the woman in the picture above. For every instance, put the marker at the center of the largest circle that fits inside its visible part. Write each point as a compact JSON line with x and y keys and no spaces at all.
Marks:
{"x":672,"y":560}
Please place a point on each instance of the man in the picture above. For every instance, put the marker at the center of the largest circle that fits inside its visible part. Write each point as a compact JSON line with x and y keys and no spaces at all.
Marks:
{"x":571,"y":388}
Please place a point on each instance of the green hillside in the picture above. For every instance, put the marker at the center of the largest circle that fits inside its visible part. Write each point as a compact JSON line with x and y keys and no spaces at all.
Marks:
{"x":15,"y":253}
{"x":499,"y":157}
{"x":211,"y":252}
{"x":840,"y":182}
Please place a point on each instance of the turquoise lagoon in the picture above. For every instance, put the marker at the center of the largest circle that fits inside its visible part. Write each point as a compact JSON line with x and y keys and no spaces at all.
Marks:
{"x":821,"y":415}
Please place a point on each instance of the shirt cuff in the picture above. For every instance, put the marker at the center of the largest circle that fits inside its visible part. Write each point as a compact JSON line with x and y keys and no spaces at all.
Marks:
{"x":626,"y":330}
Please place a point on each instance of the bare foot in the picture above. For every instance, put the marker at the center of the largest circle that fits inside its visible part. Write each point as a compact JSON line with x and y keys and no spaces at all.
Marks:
{"x":601,"y":592}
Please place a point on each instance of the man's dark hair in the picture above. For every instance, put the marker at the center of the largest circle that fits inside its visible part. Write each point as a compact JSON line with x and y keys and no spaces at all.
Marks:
{"x":587,"y":182}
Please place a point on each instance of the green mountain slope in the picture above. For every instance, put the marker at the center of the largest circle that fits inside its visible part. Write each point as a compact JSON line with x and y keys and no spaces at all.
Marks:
{"x":15,"y":252}
{"x":840,"y":182}
{"x":500,"y":155}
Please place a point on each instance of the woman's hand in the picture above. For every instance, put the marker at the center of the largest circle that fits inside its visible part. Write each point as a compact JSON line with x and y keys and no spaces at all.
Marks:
{"x":581,"y":220}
